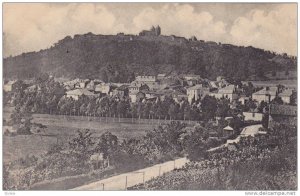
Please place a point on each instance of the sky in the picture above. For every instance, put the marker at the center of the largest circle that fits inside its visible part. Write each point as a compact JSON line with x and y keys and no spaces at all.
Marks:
{"x":34,"y":26}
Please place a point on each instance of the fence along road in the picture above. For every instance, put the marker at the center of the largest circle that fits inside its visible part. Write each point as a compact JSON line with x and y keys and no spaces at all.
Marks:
{"x":123,"y":181}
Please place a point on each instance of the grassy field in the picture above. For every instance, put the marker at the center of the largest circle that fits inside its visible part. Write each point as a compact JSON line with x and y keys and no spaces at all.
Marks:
{"x":60,"y":129}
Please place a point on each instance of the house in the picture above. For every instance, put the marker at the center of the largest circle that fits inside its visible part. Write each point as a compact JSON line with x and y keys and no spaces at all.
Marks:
{"x":151,"y":94}
{"x":266,"y":94}
{"x":253,"y":116}
{"x":145,"y":78}
{"x":136,"y":96}
{"x":219,"y":78}
{"x":69,"y":85}
{"x":91,"y":85}
{"x":75,"y":94}
{"x":103,"y":88}
{"x":192,"y":82}
{"x":287,"y":96}
{"x":191,"y":77}
{"x":228,"y":92}
{"x":120,"y":91}
{"x":282,"y":115}
{"x":135,"y":87}
{"x":228,"y":131}
{"x":82,"y":84}
{"x":244,"y":99}
{"x":161,"y":76}
{"x":9,"y":86}
{"x":196,"y":92}
{"x":179,"y":96}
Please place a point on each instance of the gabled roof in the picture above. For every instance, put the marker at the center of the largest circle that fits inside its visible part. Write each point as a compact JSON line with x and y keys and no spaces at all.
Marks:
{"x":272,"y":91}
{"x":285,"y":110}
{"x":228,"y":128}
{"x":286,"y":93}
{"x":80,"y":92}
{"x":196,"y":87}
{"x":11,"y":82}
{"x":123,"y":87}
{"x":227,"y":89}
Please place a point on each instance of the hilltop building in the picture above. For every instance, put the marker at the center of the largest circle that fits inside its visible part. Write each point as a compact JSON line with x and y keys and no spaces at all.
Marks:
{"x":154,"y":31}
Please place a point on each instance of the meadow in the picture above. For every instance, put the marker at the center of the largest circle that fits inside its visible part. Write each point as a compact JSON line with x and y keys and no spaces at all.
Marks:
{"x":61,"y":128}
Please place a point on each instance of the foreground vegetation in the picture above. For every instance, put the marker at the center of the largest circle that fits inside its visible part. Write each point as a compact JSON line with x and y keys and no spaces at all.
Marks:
{"x":264,"y":163}
{"x":74,"y":158}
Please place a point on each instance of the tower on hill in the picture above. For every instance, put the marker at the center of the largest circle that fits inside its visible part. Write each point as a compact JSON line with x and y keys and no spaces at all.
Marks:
{"x":154,"y":31}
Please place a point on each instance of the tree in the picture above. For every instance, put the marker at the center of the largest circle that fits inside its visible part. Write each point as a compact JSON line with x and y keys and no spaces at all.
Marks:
{"x":82,"y":145}
{"x":209,"y":107}
{"x":196,"y":144}
{"x":173,"y":111}
{"x":277,"y":100}
{"x":107,"y":144}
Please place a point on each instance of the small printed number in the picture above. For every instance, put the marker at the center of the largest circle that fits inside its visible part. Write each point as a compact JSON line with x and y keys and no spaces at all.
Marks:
{"x":10,"y":193}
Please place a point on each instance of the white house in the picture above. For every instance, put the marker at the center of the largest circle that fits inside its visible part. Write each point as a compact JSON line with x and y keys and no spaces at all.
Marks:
{"x":145,"y":79}
{"x":103,"y":88}
{"x":286,"y":96}
{"x":75,"y":94}
{"x":228,"y":92}
{"x":191,"y":77}
{"x":243,"y":99}
{"x":196,"y":92}
{"x":161,"y":76}
{"x":266,"y":94}
{"x":253,"y":116}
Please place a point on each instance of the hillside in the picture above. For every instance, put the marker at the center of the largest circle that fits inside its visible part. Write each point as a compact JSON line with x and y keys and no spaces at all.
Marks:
{"x":118,"y":57}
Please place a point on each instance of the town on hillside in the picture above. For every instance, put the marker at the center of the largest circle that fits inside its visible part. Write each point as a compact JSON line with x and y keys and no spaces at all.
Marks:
{"x":151,"y":111}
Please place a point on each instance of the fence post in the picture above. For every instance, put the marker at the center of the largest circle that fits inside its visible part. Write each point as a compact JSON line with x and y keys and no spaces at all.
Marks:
{"x":126,"y":183}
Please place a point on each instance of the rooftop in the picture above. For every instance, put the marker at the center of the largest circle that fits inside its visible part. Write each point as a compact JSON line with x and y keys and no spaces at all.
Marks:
{"x":80,"y":92}
{"x":227,"y":89}
{"x":287,"y":92}
{"x":270,"y":91}
{"x":196,"y":87}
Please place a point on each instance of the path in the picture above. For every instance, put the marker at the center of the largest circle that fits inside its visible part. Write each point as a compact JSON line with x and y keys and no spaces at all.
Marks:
{"x":122,"y":181}
{"x":247,"y":131}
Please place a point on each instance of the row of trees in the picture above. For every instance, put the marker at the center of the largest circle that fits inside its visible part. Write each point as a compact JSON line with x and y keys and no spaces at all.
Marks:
{"x":49,"y":98}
